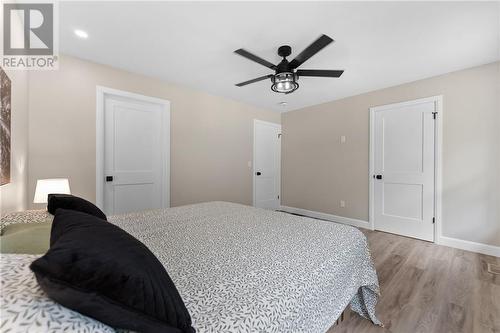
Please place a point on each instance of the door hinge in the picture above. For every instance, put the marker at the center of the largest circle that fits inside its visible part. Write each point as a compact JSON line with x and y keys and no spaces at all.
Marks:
{"x":433,"y":220}
{"x":434,"y":115}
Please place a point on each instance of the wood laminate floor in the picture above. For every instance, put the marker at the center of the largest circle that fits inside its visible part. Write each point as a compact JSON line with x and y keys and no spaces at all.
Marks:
{"x":429,"y":288}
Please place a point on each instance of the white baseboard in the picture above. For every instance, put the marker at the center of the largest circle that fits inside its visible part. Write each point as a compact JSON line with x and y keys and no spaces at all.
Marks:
{"x":328,"y":217}
{"x":470,"y":246}
{"x":442,"y":240}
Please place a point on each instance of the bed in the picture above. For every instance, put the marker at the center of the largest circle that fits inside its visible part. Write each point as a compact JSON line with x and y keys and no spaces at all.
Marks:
{"x":237,"y":268}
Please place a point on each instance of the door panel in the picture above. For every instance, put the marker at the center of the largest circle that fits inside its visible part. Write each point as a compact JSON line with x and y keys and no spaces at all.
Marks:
{"x":402,"y":141}
{"x":267,"y":165}
{"x":133,"y":155}
{"x":404,"y":157}
{"x":135,"y":197}
{"x":137,"y":135}
{"x":403,"y":200}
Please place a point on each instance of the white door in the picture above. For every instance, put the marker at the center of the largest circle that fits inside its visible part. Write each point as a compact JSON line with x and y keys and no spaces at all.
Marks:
{"x":404,"y":167}
{"x":136,"y":147}
{"x":267,"y":164}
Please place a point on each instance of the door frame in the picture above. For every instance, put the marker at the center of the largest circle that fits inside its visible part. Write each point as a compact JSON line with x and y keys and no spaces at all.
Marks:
{"x":254,"y":178}
{"x":438,"y":160}
{"x":101,"y":92}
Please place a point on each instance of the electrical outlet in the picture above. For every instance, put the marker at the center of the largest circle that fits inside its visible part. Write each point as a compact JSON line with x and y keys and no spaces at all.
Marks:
{"x":342,"y":204}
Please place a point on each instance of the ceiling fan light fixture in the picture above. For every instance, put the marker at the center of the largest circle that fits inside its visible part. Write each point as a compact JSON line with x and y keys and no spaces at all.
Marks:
{"x":284,"y":83}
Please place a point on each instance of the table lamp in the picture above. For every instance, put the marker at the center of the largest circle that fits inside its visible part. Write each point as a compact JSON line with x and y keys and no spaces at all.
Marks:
{"x":44,"y":187}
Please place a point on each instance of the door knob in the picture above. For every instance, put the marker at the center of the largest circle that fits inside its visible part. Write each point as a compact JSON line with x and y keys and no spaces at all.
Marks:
{"x":258,"y":173}
{"x":109,"y":178}
{"x":378,"y":176}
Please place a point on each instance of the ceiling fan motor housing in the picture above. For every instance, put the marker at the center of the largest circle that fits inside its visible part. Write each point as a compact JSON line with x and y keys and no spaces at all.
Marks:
{"x":284,"y":66}
{"x":284,"y":51}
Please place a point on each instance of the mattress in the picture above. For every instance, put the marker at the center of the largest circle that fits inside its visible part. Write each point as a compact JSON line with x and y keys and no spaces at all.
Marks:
{"x":237,"y":268}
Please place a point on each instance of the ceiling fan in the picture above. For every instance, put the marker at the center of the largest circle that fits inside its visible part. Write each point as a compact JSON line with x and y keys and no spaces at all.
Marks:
{"x":284,"y":80}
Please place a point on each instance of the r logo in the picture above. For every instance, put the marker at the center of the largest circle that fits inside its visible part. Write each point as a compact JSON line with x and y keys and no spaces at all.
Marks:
{"x":36,"y":34}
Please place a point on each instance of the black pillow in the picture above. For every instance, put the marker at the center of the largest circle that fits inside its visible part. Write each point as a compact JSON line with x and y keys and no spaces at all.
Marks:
{"x":103,"y":272}
{"x":68,"y":201}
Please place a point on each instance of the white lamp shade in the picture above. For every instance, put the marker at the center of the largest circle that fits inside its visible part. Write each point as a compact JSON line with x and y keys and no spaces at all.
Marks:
{"x":44,"y":187}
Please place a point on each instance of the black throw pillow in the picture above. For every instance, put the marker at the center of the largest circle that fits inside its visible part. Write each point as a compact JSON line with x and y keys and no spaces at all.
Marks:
{"x":103,"y":272}
{"x":68,"y":201}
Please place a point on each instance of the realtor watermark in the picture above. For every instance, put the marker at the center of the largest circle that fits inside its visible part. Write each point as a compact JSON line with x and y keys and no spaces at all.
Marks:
{"x":30,"y":35}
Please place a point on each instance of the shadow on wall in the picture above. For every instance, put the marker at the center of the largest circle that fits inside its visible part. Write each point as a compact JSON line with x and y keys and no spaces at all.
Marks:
{"x":471,"y":193}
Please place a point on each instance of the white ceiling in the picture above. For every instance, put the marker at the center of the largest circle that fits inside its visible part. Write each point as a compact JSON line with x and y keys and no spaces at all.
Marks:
{"x":378,"y":44}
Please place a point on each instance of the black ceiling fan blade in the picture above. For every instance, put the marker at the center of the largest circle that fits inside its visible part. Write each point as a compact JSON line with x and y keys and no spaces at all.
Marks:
{"x":254,"y":80}
{"x":319,"y":72}
{"x":255,"y":58}
{"x":311,"y":50}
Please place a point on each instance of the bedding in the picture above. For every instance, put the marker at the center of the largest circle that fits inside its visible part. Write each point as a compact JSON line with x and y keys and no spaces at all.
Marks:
{"x":26,"y":309}
{"x":237,"y":268}
{"x":25,"y":217}
{"x":99,"y":270}
{"x":29,"y":238}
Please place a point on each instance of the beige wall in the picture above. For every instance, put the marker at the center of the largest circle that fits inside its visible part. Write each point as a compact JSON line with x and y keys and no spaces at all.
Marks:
{"x":13,"y":196}
{"x":318,"y":171}
{"x":211,"y":137}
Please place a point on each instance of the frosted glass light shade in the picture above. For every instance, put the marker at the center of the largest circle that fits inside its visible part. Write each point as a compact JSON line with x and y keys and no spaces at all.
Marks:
{"x":44,"y":187}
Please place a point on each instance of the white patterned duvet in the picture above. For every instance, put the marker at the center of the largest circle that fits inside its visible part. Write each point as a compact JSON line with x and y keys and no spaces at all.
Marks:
{"x":237,"y":268}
